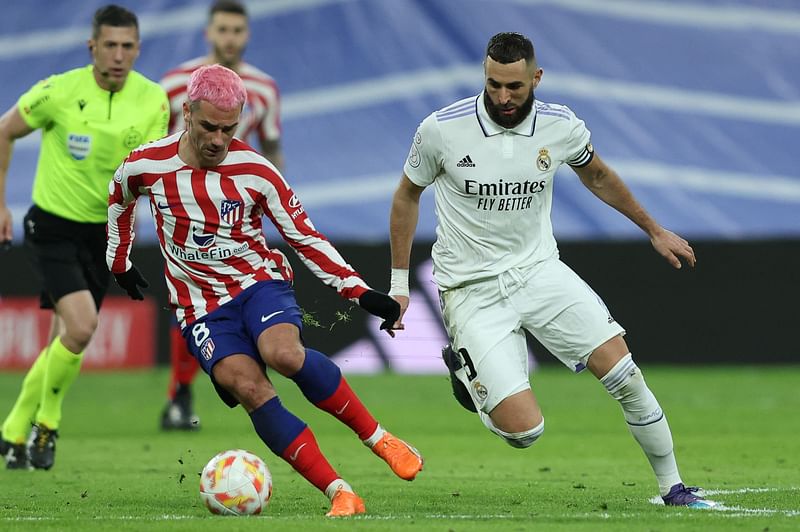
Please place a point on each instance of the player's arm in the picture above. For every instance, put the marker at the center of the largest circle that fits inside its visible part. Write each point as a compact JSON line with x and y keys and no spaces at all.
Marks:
{"x":269,"y":129}
{"x":402,"y":225}
{"x":161,"y":117}
{"x":12,"y":127}
{"x":606,"y":184}
{"x":122,"y":193}
{"x":318,"y":254}
{"x":271,"y":149}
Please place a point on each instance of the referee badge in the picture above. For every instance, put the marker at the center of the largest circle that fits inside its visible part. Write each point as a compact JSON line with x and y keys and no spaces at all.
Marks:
{"x":131,"y":138}
{"x":543,"y":162}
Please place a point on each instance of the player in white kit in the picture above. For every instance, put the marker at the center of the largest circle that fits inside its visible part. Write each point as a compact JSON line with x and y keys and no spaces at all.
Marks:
{"x":492,"y":159}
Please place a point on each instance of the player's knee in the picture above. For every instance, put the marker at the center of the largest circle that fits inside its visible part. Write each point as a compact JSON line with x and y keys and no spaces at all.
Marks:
{"x":626,"y":384}
{"x":624,"y":379}
{"x":524,"y":439}
{"x":250,"y":393}
{"x":286,"y":359}
{"x":81,"y":331}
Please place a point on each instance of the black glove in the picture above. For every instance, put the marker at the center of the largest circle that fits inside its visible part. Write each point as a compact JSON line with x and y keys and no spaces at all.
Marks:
{"x":381,"y":305}
{"x":130,"y":281}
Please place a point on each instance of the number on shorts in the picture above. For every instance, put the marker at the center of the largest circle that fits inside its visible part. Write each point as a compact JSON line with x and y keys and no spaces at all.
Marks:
{"x":471,"y":373}
{"x":200,"y":333}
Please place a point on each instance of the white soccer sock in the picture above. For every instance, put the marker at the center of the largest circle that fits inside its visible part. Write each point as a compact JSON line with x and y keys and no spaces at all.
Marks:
{"x":334,"y":486}
{"x":646,"y":420}
{"x":375,"y":438}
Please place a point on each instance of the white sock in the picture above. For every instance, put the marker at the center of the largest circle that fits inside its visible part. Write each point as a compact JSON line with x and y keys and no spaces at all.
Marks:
{"x":646,"y":420}
{"x":376,"y":437}
{"x":334,"y":486}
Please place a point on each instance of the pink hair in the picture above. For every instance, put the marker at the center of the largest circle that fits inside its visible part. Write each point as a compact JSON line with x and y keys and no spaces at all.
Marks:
{"x":218,"y":85}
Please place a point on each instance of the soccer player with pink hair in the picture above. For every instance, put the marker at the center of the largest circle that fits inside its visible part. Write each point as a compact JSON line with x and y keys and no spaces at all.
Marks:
{"x":227,"y":33}
{"x":232,"y":293}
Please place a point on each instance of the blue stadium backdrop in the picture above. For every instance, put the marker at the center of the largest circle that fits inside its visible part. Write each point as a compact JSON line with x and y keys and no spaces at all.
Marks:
{"x":697,"y":104}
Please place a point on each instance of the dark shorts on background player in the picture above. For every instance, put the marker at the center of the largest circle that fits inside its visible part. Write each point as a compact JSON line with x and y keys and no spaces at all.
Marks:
{"x":66,"y":256}
{"x":234,"y":328}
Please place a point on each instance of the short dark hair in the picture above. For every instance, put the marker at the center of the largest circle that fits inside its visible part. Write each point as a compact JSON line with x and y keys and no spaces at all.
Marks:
{"x":510,"y":47}
{"x":227,"y":6}
{"x":113,"y":15}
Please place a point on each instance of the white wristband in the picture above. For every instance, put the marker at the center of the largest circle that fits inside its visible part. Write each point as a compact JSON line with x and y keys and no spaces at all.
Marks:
{"x":399,"y":283}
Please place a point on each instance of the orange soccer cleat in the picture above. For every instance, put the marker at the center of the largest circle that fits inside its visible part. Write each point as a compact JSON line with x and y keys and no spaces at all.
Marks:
{"x":404,"y":460}
{"x":345,"y":503}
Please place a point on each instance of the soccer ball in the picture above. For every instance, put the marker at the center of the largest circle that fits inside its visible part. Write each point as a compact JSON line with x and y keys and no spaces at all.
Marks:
{"x":236,"y":482}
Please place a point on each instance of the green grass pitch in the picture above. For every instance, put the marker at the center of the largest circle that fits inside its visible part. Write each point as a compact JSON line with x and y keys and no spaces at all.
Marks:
{"x":736,"y":429}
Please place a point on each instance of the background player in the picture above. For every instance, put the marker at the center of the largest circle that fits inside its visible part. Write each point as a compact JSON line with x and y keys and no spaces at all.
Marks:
{"x":233,"y":294}
{"x":227,"y":34}
{"x":492,"y":159}
{"x":91,"y":118}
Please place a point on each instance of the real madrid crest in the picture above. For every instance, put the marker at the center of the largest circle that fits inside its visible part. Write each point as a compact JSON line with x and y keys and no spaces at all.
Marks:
{"x":480,"y":390}
{"x":543,"y":162}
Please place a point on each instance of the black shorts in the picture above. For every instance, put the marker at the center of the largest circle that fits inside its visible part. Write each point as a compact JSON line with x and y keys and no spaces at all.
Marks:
{"x":67,"y":256}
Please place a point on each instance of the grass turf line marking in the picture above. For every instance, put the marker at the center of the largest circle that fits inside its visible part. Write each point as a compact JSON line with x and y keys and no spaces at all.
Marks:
{"x":739,"y":511}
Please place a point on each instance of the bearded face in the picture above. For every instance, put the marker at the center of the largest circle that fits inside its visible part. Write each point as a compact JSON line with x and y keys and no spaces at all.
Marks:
{"x":508,"y":95}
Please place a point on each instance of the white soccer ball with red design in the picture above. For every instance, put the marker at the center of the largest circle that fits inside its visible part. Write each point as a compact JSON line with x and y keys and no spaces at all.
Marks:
{"x":236,"y":482}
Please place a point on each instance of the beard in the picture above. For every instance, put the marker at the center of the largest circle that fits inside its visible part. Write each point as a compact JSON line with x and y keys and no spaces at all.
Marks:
{"x":224,"y":58}
{"x":508,"y":121}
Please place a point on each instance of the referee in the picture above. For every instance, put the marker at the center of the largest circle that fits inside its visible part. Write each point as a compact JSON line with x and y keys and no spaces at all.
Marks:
{"x":91,"y":118}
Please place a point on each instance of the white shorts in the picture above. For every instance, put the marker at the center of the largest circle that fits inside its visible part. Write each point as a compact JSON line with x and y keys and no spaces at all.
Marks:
{"x":485,"y":322}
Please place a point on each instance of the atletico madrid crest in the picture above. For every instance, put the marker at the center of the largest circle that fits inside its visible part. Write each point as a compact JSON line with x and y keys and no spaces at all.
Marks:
{"x":231,"y":211}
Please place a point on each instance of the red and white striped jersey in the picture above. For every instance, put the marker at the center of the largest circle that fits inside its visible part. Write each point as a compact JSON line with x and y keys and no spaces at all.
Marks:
{"x":209,"y":228}
{"x":261,"y":114}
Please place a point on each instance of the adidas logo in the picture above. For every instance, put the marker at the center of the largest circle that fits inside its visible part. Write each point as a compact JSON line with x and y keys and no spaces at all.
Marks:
{"x":466,"y":162}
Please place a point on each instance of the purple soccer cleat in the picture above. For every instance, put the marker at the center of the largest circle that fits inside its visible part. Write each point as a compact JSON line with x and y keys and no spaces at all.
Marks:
{"x":680,"y":495}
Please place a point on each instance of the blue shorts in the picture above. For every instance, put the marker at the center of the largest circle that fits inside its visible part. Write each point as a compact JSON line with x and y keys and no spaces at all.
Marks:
{"x":234,"y":328}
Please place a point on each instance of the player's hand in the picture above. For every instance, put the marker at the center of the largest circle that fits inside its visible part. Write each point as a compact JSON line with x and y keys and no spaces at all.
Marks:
{"x":383,"y":306}
{"x":403,"y":301}
{"x":673,"y":248}
{"x":130,"y":281}
{"x":5,"y":226}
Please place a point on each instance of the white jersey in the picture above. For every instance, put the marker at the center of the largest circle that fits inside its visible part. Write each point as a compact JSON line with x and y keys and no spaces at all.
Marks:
{"x":493,"y":186}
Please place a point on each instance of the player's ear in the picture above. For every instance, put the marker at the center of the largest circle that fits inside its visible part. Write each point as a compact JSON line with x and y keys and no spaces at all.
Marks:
{"x":187,"y":111}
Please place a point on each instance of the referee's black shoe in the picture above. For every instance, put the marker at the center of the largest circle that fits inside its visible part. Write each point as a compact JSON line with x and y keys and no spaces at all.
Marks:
{"x":14,"y":454}
{"x":460,"y":391}
{"x":42,"y":447}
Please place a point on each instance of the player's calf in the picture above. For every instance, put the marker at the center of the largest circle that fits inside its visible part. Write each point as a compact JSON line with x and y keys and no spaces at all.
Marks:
{"x":645,"y":419}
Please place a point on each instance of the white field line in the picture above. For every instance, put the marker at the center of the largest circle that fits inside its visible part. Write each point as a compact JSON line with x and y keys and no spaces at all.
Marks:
{"x":726,"y":511}
{"x":742,"y":491}
{"x":739,"y":511}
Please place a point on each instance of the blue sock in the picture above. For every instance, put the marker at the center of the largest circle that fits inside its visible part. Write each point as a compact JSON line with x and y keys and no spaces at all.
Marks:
{"x":318,"y":378}
{"x":275,"y":425}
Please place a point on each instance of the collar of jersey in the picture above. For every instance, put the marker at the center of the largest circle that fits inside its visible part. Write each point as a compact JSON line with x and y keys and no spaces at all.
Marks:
{"x":491,"y":128}
{"x":89,"y":73}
